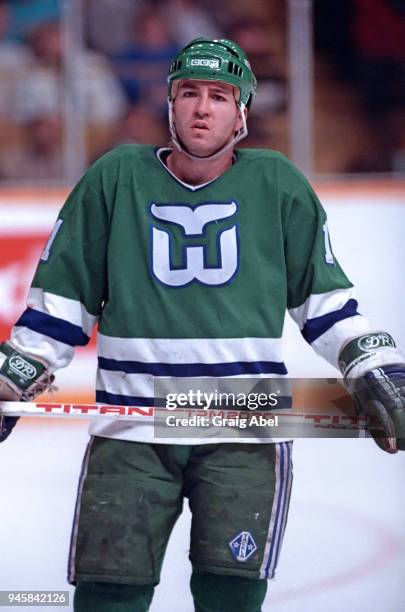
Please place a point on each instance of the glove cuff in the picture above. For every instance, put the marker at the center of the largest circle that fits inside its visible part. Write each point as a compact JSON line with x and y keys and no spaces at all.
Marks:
{"x":20,"y":369}
{"x":366,"y":352}
{"x":9,"y":392}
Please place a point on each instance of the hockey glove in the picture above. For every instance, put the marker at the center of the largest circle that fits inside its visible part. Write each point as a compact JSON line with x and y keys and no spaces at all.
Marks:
{"x":374,"y":374}
{"x":6,"y":426}
{"x":22,"y":378}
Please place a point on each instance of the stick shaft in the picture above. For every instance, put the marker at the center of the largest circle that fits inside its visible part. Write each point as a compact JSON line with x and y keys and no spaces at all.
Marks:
{"x":331,"y":419}
{"x":57,"y":409}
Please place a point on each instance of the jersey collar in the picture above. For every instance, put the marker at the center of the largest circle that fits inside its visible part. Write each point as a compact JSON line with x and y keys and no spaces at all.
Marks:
{"x":160,"y":154}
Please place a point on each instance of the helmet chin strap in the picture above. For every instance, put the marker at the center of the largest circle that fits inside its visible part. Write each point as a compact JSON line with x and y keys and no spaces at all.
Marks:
{"x":180,"y":146}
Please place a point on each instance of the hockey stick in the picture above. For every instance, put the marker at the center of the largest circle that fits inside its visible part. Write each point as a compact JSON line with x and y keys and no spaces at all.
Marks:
{"x":333,"y":419}
{"x":53,"y":409}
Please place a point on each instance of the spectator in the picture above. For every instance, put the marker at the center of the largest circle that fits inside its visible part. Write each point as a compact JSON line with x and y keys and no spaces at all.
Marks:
{"x":14,"y":58}
{"x":140,"y":126}
{"x":108,"y":23}
{"x":43,"y":88}
{"x":378,"y":29}
{"x":40,"y":157}
{"x":364,"y":42}
{"x":28,"y":14}
{"x":262,"y":50}
{"x":142,"y":65}
{"x":332,"y":36}
{"x":188,"y":21}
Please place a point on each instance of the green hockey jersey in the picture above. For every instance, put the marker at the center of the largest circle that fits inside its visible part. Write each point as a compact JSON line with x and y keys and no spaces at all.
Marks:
{"x":185,"y":281}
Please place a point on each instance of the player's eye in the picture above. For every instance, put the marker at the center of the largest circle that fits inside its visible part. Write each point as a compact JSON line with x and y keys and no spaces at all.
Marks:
{"x":219,"y":98}
{"x":188,"y":93}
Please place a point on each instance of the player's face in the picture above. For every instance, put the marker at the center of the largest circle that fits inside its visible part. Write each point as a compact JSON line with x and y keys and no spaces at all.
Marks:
{"x":206,"y":115}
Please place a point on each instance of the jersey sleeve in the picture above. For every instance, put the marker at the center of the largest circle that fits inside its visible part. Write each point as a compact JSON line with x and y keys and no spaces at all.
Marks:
{"x":320,"y":297}
{"x":70,"y":284}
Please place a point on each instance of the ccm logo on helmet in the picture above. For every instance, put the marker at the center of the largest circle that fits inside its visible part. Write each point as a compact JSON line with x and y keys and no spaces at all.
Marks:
{"x":209,"y":63}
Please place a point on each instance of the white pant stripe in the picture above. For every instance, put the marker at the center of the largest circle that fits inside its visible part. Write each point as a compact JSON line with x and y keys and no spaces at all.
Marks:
{"x":278,"y":518}
{"x":287,"y":491}
{"x":73,"y":538}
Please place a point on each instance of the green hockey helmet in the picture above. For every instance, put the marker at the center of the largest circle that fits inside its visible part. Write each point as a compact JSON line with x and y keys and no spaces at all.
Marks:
{"x":215,"y":60}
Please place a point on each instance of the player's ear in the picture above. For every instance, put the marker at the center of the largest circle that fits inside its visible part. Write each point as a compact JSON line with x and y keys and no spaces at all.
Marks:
{"x":239,"y":123}
{"x":174,"y":92}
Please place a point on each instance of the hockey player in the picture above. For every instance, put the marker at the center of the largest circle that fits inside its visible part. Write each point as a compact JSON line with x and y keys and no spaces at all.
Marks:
{"x":187,"y":258}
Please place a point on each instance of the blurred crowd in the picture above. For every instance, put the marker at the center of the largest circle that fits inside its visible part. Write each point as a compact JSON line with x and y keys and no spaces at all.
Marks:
{"x":366,"y":54}
{"x":119,"y":77}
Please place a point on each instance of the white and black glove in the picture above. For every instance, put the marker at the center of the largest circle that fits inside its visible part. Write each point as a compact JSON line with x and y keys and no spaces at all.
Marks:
{"x":22,"y":379}
{"x":374,"y":374}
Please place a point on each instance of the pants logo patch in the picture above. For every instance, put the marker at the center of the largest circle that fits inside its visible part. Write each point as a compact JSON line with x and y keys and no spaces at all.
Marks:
{"x":243,"y":546}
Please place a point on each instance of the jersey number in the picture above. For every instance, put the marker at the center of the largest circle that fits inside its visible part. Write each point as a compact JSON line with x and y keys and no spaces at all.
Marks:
{"x":328,"y":250}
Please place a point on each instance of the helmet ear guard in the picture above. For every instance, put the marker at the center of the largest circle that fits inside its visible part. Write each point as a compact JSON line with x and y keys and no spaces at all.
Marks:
{"x":213,"y":60}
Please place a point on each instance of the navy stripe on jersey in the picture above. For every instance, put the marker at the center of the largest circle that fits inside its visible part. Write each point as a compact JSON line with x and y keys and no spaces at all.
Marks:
{"x":103,"y":397}
{"x":55,"y":328}
{"x":317,"y":326}
{"x":284,"y":402}
{"x":193,"y":369}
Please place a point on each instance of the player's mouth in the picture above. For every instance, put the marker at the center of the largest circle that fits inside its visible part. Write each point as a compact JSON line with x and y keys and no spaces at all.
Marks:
{"x":199,"y":125}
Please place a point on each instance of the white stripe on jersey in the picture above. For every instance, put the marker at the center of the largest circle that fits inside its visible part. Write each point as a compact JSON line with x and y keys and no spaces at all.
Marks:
{"x":142,"y":385}
{"x":320,"y":304}
{"x":64,"y":308}
{"x":186,"y":350}
{"x":121,"y":383}
{"x":330,"y":343}
{"x":56,"y":354}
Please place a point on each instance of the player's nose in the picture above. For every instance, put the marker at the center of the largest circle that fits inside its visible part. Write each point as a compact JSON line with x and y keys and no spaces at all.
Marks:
{"x":202,"y":104}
